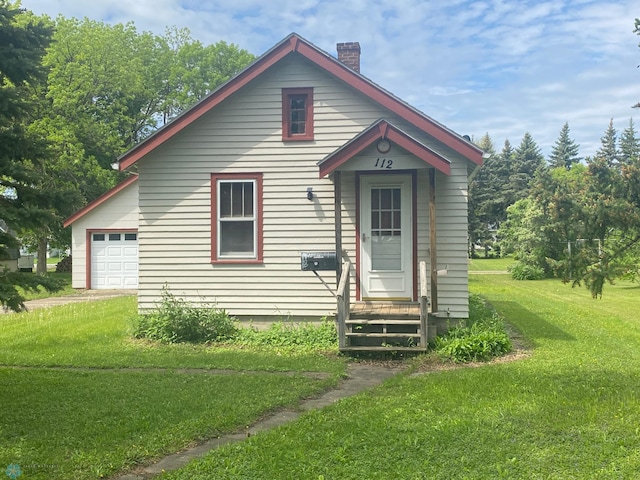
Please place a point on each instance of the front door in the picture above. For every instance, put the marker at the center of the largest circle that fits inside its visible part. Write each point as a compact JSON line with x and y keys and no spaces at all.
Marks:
{"x":385,"y":237}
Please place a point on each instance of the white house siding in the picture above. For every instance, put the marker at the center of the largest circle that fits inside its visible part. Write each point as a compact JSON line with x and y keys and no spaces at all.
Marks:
{"x":120,"y":212}
{"x":243,"y":134}
{"x":451,"y":226}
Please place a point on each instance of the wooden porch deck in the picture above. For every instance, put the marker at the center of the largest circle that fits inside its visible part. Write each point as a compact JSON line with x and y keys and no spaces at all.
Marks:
{"x":385,"y":308}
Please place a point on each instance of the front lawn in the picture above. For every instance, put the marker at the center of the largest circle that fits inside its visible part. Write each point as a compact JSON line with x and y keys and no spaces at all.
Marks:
{"x":81,"y":399}
{"x":63,"y":278}
{"x":568,"y":410}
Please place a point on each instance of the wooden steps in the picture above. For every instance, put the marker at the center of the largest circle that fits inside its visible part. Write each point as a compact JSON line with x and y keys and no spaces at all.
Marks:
{"x":379,"y":327}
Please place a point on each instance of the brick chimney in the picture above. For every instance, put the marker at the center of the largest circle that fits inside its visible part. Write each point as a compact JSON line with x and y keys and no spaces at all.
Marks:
{"x":349,"y":54}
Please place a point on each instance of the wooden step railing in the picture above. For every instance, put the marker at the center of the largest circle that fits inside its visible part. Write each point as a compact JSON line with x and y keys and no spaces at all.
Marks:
{"x":389,"y":327}
{"x":344,"y":304}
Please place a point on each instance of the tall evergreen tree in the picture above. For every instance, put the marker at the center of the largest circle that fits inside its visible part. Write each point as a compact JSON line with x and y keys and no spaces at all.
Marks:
{"x":22,"y":44}
{"x":629,"y":144}
{"x":608,"y":151}
{"x":565,"y":151}
{"x":527,"y":160}
{"x":478,"y":196}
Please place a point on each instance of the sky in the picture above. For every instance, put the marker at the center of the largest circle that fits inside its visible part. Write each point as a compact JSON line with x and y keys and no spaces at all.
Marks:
{"x":501,"y":67}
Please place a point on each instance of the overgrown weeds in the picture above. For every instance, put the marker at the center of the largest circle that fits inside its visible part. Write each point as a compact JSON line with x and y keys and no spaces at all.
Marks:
{"x":177,"y":320}
{"x":482,"y":338}
{"x":282,"y":334}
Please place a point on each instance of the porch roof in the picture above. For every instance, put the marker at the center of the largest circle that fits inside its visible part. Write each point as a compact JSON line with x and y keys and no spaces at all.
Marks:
{"x":379,"y":130}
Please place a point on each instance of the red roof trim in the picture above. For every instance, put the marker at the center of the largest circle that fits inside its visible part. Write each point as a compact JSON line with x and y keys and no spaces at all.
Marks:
{"x":100,"y":200}
{"x":379,"y":130}
{"x":199,"y":109}
{"x":295,"y":43}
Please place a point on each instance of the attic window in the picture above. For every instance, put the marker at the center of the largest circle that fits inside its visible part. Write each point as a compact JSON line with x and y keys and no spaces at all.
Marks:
{"x":297,"y":114}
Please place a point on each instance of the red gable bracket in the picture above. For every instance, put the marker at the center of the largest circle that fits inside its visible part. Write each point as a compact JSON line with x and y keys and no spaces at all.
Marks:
{"x":295,"y":43}
{"x":100,"y":200}
{"x":379,"y":130}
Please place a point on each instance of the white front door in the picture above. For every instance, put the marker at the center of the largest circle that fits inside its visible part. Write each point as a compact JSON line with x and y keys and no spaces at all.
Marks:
{"x":386,"y":266}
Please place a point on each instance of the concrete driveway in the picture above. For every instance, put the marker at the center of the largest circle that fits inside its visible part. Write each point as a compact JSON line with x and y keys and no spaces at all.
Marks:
{"x":80,"y":296}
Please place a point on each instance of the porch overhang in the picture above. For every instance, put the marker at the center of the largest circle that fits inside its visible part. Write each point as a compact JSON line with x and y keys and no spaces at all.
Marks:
{"x":382,"y":129}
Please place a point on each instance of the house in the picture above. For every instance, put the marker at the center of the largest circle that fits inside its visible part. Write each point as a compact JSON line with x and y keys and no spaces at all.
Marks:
{"x":104,"y":240}
{"x":260,"y":195}
{"x":10,"y":255}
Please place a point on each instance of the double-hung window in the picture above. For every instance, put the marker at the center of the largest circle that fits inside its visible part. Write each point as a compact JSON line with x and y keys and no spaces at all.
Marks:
{"x":297,"y":114}
{"x":236,"y":217}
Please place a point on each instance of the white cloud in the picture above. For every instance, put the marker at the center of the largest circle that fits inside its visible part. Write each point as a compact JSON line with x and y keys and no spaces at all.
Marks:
{"x":477,"y":66}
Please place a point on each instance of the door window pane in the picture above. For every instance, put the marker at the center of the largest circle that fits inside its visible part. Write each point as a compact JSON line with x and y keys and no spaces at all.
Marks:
{"x":386,"y":228}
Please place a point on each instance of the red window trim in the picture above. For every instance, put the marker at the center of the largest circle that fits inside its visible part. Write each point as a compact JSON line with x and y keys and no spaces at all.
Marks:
{"x":214,"y":216}
{"x":287,"y":93}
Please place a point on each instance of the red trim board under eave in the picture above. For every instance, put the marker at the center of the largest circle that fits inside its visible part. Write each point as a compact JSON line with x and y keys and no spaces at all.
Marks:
{"x":198,"y":110}
{"x":100,"y":200}
{"x":383,"y":129}
{"x":392,"y":103}
{"x":295,"y":43}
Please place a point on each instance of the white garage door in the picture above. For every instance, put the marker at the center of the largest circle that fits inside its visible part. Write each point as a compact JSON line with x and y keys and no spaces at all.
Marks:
{"x":114,"y":260}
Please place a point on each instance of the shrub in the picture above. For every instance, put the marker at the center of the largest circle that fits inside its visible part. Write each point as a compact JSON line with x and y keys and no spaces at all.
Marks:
{"x":483,"y":338}
{"x":176,"y":320}
{"x":524,"y":271}
{"x":288,"y":334}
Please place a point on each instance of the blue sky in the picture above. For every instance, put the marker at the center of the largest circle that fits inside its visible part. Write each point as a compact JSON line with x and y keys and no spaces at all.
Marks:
{"x":491,"y":66}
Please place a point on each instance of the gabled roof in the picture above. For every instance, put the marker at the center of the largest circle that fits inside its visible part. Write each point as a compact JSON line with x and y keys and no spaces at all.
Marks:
{"x":296,"y":44}
{"x":100,"y":200}
{"x":379,"y":130}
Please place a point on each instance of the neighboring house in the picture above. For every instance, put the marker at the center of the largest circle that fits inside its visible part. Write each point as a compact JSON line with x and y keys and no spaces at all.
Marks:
{"x":298,"y":153}
{"x":12,"y":253}
{"x":104,"y":240}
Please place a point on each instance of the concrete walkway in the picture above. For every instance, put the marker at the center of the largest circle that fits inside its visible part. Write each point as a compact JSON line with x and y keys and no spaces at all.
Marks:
{"x":359,"y":378}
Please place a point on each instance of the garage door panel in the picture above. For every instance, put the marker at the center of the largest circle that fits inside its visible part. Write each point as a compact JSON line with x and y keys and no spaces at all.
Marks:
{"x":114,"y":260}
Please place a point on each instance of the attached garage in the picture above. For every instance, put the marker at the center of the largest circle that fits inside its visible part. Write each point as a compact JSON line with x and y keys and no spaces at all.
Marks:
{"x":114,"y":260}
{"x":104,"y":240}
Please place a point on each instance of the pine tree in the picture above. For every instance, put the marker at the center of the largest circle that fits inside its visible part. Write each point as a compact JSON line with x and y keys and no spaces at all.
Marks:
{"x":527,"y":159}
{"x":565,"y":151}
{"x":629,"y":145}
{"x":608,"y":151}
{"x":479,"y":195}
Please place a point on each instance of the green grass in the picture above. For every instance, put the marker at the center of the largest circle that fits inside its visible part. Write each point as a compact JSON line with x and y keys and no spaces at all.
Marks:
{"x":97,"y":334}
{"x":568,"y":410}
{"x":80,"y":399}
{"x":65,"y":278}
{"x":489,"y":264}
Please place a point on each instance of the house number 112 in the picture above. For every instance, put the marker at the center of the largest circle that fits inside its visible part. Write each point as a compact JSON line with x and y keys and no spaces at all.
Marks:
{"x":384,"y":163}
